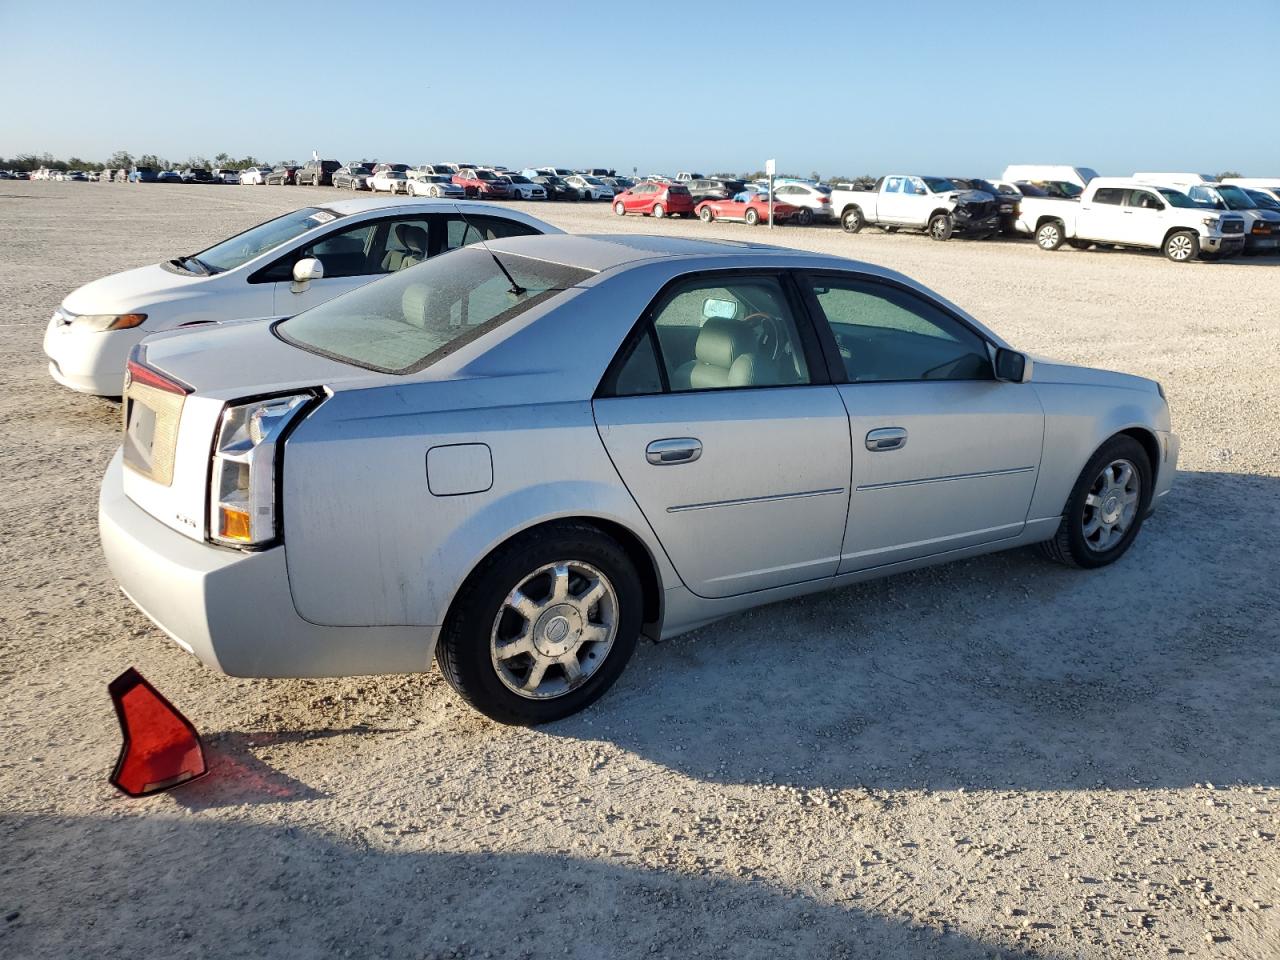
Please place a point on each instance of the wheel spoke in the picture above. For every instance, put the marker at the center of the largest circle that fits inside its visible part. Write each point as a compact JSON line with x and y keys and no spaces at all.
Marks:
{"x":523,"y":605}
{"x":572,"y":668}
{"x":1093,"y":500}
{"x":1091,"y":526}
{"x":592,"y":596}
{"x":559,"y":583}
{"x":593,"y":633}
{"x":536,"y":673}
{"x":515,"y":647}
{"x":1123,"y":475}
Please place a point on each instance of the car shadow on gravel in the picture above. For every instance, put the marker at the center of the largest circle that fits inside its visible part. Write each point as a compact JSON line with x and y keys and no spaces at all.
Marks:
{"x":152,"y":882}
{"x":1005,"y":671}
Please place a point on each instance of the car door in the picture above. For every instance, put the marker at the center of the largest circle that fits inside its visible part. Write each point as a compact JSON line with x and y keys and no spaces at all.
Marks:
{"x":1140,"y":221}
{"x":944,"y":455}
{"x":1100,"y":217}
{"x":351,"y":256}
{"x":721,"y":421}
{"x":893,"y":204}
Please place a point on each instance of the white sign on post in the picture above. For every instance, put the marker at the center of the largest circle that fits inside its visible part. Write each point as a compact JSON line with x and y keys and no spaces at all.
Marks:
{"x":770,"y":167}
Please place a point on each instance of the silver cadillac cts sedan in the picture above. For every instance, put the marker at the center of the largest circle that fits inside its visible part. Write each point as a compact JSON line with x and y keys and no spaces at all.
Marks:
{"x":519,"y":458}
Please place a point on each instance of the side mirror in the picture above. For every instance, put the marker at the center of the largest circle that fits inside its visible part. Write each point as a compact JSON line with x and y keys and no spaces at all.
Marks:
{"x":306,"y":270}
{"x":1012,"y":366}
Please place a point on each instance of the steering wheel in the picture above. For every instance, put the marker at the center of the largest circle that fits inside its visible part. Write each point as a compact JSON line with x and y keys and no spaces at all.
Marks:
{"x":768,"y":332}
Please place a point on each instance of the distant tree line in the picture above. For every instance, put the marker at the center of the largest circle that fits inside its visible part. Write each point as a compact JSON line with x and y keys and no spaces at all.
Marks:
{"x":124,"y":159}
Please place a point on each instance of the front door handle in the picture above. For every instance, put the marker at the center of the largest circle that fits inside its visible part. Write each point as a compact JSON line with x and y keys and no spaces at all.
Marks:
{"x":662,"y":453}
{"x":886,"y":438}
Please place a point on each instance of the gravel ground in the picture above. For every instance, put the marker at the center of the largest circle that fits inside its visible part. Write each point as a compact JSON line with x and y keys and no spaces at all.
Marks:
{"x":995,"y":757}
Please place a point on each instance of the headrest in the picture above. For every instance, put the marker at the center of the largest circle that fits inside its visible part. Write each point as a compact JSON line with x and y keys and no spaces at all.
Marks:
{"x":413,"y":302}
{"x":413,"y":237}
{"x":720,"y":341}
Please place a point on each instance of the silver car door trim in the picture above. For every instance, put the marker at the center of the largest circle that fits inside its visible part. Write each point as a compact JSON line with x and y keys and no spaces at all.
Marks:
{"x":958,"y":476}
{"x":933,"y":541}
{"x":765,"y":499}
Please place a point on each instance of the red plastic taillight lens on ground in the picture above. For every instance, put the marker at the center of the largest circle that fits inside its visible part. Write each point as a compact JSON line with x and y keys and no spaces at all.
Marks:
{"x":161,"y":748}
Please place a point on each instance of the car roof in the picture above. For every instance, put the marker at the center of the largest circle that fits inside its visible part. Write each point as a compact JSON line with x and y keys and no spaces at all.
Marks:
{"x":600,"y":252}
{"x":347,"y":208}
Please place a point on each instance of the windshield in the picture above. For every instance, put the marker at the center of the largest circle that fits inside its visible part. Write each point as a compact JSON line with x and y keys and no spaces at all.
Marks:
{"x":939,"y":184}
{"x":243,"y":247}
{"x":1177,"y":198}
{"x":594,"y":180}
{"x":438,"y":178}
{"x":485,"y":175}
{"x":1262,"y":201}
{"x":412,"y":318}
{"x":1236,"y":198}
{"x":516,"y":178}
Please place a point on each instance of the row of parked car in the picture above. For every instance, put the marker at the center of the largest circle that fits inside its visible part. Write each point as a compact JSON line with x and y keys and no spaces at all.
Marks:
{"x":1187,"y":216}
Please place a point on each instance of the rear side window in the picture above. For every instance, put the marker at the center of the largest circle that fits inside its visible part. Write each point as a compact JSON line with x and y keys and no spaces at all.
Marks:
{"x":1111,"y":195}
{"x":414,"y":317}
{"x":463,"y":233}
{"x":886,"y":334}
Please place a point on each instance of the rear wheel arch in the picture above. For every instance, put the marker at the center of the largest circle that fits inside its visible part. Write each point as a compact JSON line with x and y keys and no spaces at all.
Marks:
{"x":636,"y":549}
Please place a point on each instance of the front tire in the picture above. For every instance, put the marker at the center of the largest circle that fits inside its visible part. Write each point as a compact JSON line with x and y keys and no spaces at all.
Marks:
{"x":941,"y":226}
{"x":1049,"y":235}
{"x":1106,"y":508}
{"x":706,"y":215}
{"x":1182,"y":246}
{"x":620,"y":209}
{"x":544,"y":626}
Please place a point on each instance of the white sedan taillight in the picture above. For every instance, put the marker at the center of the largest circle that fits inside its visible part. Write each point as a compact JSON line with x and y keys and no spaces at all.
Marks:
{"x":242,"y":487}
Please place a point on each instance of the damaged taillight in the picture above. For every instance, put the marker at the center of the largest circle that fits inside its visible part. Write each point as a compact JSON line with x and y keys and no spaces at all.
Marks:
{"x":161,"y":748}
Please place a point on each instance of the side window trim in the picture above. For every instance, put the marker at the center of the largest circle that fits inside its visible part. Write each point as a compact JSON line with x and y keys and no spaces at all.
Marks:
{"x":806,"y":280}
{"x":806,"y":330}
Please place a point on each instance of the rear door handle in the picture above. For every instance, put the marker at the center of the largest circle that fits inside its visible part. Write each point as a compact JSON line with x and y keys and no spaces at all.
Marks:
{"x":662,"y":453}
{"x":886,"y":438}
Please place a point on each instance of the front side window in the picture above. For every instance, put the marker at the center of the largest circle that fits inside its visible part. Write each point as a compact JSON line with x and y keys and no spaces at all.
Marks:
{"x":885,"y":333}
{"x":1144,"y":200}
{"x":714,"y":334}
{"x":240,"y":249}
{"x":408,"y":321}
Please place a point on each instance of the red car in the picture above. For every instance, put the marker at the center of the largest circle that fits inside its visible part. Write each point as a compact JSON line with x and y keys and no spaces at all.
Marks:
{"x":655,"y":199}
{"x":752,"y":211}
{"x":484,"y":184}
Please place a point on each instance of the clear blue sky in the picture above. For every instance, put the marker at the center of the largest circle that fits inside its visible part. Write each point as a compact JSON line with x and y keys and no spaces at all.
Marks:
{"x":841,"y":88}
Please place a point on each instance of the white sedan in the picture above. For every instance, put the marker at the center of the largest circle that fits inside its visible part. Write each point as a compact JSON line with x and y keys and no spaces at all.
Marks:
{"x":589,"y":188}
{"x":277,"y":268}
{"x":389,"y":181}
{"x":254,"y":176}
{"x":435,"y":185}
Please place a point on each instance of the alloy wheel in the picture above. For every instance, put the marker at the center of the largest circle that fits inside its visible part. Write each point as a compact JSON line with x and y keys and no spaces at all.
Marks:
{"x":554,"y":630}
{"x":1111,"y":505}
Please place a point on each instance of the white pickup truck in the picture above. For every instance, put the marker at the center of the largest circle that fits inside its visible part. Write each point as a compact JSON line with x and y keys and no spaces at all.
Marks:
{"x":1128,"y":213}
{"x":934,"y":204}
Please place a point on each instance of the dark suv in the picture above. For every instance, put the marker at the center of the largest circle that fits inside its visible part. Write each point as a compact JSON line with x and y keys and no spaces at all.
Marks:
{"x":318,"y":173}
{"x":715,"y":188}
{"x":196,"y":175}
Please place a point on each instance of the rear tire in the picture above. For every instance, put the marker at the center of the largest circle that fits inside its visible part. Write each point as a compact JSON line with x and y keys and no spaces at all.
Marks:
{"x":804,"y":217}
{"x":851,"y":221}
{"x":1079,"y":541}
{"x":941,"y":226}
{"x":1182,"y":246}
{"x":483,"y":620}
{"x":1049,"y":235}
{"x":659,"y":211}
{"x":752,"y":217}
{"x":1076,"y":244}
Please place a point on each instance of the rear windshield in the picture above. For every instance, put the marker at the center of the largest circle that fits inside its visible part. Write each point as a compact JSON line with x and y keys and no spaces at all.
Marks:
{"x":412,"y":318}
{"x":243,"y":247}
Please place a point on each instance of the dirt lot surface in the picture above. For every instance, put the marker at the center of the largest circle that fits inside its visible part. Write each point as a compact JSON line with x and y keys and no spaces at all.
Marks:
{"x":996,"y":757}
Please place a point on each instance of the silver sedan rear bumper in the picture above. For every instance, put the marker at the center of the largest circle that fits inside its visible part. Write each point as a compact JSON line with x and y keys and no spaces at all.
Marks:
{"x":233,"y":610}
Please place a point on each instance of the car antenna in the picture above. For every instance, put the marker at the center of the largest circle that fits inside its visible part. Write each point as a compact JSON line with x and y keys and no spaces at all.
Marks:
{"x":516,"y":290}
